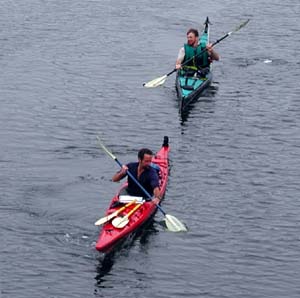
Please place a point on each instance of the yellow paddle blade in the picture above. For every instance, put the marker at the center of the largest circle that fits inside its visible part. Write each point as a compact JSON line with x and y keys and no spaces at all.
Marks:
{"x":174,"y":225}
{"x":156,"y":82}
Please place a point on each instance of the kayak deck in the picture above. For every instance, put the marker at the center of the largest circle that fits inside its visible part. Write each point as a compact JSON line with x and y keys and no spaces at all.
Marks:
{"x":189,"y":88}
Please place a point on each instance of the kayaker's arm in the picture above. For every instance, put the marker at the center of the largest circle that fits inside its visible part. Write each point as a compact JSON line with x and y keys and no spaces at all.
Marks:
{"x":120,"y":175}
{"x":180,"y":58}
{"x":157,"y":195}
{"x":212,"y":53}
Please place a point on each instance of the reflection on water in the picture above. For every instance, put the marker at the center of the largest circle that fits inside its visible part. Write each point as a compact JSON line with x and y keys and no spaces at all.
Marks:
{"x":106,"y":261}
{"x":205,"y":101}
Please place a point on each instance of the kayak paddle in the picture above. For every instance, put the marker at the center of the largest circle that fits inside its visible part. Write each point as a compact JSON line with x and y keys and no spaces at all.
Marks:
{"x":173,"y":224}
{"x":159,"y":81}
{"x":112,"y":215}
{"x":120,"y":222}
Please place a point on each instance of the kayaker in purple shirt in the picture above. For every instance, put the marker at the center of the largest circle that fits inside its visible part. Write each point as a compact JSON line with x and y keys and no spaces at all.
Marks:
{"x":145,"y":174}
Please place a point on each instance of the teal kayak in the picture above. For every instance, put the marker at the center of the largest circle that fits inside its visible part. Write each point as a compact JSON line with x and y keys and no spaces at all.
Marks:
{"x":190,"y":84}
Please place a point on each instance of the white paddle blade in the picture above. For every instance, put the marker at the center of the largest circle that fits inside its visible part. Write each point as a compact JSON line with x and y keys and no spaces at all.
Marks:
{"x":105,"y":219}
{"x":105,"y":149}
{"x":156,"y":82}
{"x":114,"y":214}
{"x":174,"y":225}
{"x":120,"y":222}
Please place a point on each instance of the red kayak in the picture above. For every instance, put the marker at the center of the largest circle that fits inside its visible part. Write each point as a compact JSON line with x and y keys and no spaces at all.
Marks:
{"x":134,"y":212}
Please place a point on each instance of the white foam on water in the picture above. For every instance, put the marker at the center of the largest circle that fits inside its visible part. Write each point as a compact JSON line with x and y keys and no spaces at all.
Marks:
{"x":268,"y":61}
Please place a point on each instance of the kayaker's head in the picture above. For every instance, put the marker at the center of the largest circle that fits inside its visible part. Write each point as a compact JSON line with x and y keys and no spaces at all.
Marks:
{"x":145,"y":157}
{"x":192,"y":37}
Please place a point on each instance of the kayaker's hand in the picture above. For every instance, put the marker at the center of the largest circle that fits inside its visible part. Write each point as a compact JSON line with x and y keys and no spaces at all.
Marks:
{"x":212,"y":53}
{"x":156,"y":201}
{"x":209,"y":48}
{"x":124,"y":169}
{"x":120,"y":174}
{"x":177,"y":66}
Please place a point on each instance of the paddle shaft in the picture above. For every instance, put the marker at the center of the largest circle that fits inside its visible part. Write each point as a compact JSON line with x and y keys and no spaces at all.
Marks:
{"x":133,"y":210}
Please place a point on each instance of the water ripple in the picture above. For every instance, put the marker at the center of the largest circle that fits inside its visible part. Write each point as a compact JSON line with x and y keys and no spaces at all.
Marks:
{"x":74,"y":71}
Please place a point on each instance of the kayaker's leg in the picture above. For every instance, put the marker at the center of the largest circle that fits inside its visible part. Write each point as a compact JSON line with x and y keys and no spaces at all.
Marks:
{"x":202,"y":72}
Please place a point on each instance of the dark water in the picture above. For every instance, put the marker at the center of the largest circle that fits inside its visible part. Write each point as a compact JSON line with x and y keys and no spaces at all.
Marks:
{"x":72,"y":70}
